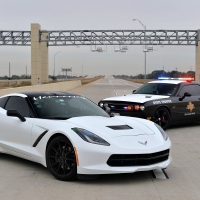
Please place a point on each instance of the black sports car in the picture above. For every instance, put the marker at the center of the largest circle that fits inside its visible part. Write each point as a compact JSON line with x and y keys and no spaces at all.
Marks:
{"x":166,"y":102}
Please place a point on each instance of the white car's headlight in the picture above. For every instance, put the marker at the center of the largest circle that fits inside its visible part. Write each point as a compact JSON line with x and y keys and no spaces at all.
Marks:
{"x":90,"y":137}
{"x":165,"y":136}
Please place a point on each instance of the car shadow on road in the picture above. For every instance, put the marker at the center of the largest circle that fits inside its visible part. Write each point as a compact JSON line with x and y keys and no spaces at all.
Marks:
{"x":37,"y":170}
{"x":9,"y":160}
{"x":189,"y":125}
{"x":119,"y":179}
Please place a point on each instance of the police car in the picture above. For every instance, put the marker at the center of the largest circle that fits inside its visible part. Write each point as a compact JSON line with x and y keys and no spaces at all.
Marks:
{"x":166,"y":102}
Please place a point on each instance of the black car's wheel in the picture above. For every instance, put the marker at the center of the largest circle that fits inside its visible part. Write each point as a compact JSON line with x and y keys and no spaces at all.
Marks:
{"x":162,"y":117}
{"x":61,"y":159}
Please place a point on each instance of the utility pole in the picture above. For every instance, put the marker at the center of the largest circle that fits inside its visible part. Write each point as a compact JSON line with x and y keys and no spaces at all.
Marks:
{"x":9,"y":70}
{"x":82,"y":70}
{"x":26,"y":71}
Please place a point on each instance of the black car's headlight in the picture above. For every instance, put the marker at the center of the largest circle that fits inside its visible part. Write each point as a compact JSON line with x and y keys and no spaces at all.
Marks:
{"x":101,"y":104}
{"x":90,"y":137}
{"x":165,"y":136}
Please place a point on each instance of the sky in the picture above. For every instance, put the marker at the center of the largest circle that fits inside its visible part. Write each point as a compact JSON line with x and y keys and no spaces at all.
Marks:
{"x":100,"y":15}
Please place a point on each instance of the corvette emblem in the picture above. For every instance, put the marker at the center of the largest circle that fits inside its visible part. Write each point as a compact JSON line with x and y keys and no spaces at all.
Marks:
{"x":190,"y":106}
{"x":144,"y":143}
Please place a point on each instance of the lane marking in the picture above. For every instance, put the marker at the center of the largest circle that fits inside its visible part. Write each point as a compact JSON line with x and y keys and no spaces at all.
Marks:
{"x":113,"y":87}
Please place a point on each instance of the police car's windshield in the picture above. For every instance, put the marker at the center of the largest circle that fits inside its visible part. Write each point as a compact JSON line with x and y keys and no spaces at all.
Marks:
{"x":167,"y":89}
{"x":65,"y":107}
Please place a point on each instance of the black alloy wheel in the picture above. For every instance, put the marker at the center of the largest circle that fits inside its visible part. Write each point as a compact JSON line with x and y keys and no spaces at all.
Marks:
{"x":162,"y":117}
{"x":61,"y":159}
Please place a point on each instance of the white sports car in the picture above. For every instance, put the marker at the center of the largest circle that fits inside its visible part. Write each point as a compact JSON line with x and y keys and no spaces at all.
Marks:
{"x":73,"y":137}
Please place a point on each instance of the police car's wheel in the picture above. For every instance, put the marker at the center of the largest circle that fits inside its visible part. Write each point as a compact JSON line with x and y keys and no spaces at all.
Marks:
{"x":162,"y":117}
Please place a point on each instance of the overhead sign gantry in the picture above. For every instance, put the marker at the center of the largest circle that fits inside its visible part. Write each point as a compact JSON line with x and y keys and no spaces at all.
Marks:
{"x":39,"y":40}
{"x":103,"y":37}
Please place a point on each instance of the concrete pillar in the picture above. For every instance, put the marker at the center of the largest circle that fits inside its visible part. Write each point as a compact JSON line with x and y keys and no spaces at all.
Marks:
{"x":44,"y":60}
{"x":197,"y":65}
{"x":35,"y":55}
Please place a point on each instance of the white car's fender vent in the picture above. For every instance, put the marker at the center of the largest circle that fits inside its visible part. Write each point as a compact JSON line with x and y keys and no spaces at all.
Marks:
{"x":124,"y":160}
{"x":39,"y":138}
{"x":120,"y":127}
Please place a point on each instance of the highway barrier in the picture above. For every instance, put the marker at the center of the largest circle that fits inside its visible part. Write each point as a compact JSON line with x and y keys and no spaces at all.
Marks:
{"x":60,"y":86}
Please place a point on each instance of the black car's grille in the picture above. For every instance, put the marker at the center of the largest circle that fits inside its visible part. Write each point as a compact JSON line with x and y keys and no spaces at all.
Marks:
{"x":121,"y":106}
{"x":123,"y":160}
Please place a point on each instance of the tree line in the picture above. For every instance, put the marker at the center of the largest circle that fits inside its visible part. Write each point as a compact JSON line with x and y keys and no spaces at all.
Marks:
{"x":14,"y":77}
{"x":160,"y":73}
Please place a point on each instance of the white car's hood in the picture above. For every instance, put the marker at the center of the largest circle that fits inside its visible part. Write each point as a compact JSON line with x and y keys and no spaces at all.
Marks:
{"x":99,"y":125}
{"x":139,"y":98}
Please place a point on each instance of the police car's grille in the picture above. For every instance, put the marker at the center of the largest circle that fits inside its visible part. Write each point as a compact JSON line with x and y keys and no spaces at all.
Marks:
{"x":117,"y":107}
{"x":123,"y":160}
{"x":121,"y":106}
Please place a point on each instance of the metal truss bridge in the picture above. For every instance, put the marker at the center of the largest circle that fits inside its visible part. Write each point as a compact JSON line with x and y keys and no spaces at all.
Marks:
{"x":103,"y":37}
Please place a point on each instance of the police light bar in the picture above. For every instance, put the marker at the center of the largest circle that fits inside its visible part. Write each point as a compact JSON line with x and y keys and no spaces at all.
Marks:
{"x":181,"y":79}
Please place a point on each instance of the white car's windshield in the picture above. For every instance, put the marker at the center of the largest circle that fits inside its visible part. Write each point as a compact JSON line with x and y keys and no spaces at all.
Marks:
{"x":65,"y":107}
{"x":167,"y":89}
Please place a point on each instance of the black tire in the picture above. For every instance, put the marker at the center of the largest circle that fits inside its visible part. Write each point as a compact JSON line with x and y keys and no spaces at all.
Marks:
{"x":162,"y":117}
{"x":61,"y":159}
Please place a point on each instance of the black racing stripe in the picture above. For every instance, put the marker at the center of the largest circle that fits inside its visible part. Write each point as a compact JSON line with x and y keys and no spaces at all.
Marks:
{"x":39,"y":138}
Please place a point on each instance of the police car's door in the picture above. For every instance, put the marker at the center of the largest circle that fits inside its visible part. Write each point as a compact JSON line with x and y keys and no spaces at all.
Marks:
{"x":187,"y":108}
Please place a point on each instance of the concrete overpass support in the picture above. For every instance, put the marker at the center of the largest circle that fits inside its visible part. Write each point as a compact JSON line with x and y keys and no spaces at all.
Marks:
{"x":35,"y":55}
{"x":44,"y":60}
{"x":197,"y":70}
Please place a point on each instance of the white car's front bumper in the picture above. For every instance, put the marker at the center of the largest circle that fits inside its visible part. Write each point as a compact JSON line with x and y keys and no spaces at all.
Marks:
{"x":93,"y":158}
{"x":105,"y":169}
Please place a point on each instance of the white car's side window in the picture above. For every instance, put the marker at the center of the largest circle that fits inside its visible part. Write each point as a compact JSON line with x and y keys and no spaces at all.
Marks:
{"x":3,"y":101}
{"x":19,"y":104}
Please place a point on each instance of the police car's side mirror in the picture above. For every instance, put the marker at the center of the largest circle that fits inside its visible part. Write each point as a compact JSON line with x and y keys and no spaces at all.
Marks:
{"x":186,"y":94}
{"x":133,"y":91}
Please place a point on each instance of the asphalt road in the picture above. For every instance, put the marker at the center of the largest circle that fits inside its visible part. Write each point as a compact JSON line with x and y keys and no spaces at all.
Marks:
{"x":21,"y":179}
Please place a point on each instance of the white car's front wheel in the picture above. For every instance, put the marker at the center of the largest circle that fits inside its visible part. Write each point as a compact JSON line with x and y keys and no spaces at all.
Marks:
{"x":61,"y":159}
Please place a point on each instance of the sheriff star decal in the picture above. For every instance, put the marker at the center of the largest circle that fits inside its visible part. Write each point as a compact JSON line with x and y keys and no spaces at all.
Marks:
{"x":190,"y":106}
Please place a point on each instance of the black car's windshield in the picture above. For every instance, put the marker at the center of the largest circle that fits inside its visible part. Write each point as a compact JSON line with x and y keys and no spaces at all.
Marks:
{"x":157,"y":89}
{"x":65,"y":107}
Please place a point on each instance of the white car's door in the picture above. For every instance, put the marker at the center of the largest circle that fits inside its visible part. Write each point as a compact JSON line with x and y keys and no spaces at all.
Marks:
{"x":15,"y":135}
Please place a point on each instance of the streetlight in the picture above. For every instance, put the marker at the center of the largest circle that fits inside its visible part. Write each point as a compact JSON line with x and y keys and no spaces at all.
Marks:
{"x":54,"y":63}
{"x":145,"y":48}
{"x":26,"y":71}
